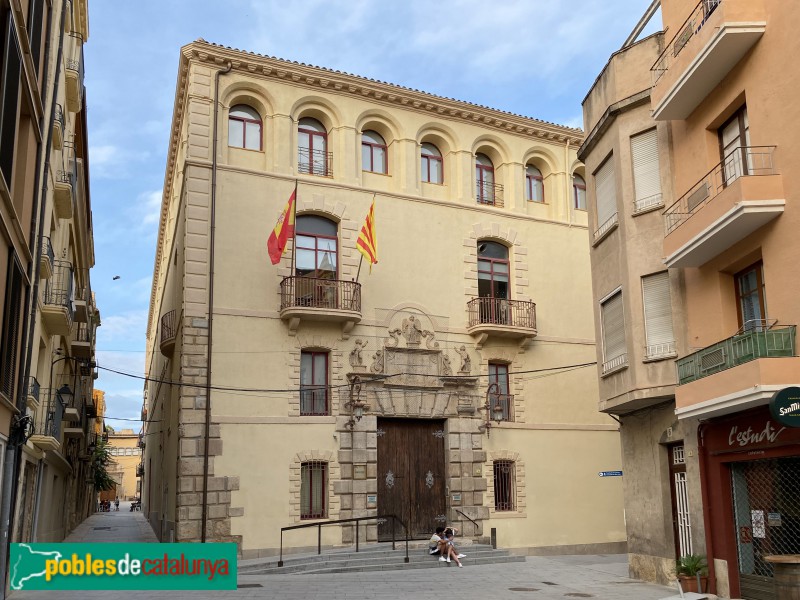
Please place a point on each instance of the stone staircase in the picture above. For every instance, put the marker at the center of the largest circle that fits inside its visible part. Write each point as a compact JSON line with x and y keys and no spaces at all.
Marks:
{"x":374,"y":557}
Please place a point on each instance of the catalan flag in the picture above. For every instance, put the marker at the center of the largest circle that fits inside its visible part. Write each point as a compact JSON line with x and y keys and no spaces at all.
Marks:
{"x":284,"y":229}
{"x":367,"y":243}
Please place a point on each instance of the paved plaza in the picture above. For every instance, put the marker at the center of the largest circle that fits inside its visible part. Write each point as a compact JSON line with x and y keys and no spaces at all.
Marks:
{"x":539,"y":578}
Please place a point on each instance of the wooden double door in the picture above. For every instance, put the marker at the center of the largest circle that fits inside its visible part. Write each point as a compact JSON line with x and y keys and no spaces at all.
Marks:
{"x":411,"y":476}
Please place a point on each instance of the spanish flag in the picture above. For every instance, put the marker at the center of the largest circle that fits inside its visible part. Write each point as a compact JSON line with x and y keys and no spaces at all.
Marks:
{"x":367,"y":243}
{"x":284,"y":229}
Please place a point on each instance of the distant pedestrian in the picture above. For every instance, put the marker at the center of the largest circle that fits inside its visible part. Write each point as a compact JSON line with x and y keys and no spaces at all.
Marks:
{"x":116,"y":504}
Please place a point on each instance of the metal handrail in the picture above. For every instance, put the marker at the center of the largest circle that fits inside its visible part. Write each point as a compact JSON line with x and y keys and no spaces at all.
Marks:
{"x":315,"y":292}
{"x":319,"y":525}
{"x":466,"y":517}
{"x":47,"y":249}
{"x":315,"y":162}
{"x":501,"y":311}
{"x":169,"y":327}
{"x":743,"y":161}
{"x":692,"y":25}
{"x":489,"y":193}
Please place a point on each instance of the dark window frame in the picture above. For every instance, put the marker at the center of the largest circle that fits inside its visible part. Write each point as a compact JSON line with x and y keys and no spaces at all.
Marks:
{"x":491,"y":272}
{"x":530,"y":182}
{"x":12,"y":312}
{"x":505,"y":477}
{"x":759,"y":291}
{"x":582,"y":187}
{"x":480,"y":178}
{"x":426,"y":160}
{"x":244,"y":122}
{"x":315,"y":388}
{"x":322,"y":138}
{"x":307,"y":468}
{"x":372,"y":146}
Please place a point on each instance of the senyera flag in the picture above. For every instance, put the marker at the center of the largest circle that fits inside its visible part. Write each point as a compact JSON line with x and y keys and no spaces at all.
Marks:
{"x":367,"y":243}
{"x":284,"y":229}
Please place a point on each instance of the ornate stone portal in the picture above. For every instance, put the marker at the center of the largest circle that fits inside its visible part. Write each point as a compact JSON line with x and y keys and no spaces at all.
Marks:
{"x":411,"y":376}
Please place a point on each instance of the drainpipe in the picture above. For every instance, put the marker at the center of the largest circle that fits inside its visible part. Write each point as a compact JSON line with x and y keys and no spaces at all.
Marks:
{"x":203,"y":534}
{"x":13,"y":457}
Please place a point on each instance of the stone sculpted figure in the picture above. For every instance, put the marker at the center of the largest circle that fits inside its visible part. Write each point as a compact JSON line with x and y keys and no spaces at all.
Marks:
{"x":377,"y":361}
{"x":412,"y":331}
{"x":466,"y":361}
{"x":447,"y":368}
{"x":356,"y":360}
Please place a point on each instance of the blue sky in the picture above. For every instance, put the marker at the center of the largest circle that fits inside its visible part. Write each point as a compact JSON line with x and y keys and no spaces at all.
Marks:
{"x":534,"y":57}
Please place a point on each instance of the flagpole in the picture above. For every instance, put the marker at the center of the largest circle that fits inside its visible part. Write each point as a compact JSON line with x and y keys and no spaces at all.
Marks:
{"x":294,"y":230}
{"x":359,"y":267}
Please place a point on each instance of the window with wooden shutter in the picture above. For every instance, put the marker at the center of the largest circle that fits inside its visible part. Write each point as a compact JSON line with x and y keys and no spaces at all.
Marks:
{"x":9,"y":351}
{"x":613,"y":323}
{"x":10,"y":70}
{"x":606,"y":189}
{"x":659,"y":335}
{"x":646,"y":177}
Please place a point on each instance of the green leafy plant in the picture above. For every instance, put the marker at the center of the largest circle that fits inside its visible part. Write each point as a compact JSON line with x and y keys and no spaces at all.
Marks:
{"x":692,"y":565}
{"x":101,"y":458}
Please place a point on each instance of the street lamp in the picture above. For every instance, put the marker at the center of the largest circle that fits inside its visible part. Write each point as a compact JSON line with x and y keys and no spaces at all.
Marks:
{"x":65,"y":394}
{"x":492,"y":411}
{"x":355,"y":406}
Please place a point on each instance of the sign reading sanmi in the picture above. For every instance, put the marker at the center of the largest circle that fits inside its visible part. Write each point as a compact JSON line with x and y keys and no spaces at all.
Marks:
{"x":785,"y":406}
{"x":610,"y":473}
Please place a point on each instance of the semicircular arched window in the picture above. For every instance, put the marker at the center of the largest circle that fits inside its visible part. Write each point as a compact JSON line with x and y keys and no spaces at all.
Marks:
{"x":579,"y":191}
{"x":484,"y":180}
{"x":316,"y":254}
{"x":312,"y":148}
{"x":431,"y":167}
{"x":373,"y":152}
{"x":244,"y":128}
{"x":534,"y":184}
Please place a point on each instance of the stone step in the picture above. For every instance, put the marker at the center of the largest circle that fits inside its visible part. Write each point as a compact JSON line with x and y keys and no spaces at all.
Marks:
{"x":432,"y":564}
{"x":373,"y":561}
{"x":370,"y":551}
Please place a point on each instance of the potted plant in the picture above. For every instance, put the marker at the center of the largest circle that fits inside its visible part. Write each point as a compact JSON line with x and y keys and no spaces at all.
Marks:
{"x":692,"y":571}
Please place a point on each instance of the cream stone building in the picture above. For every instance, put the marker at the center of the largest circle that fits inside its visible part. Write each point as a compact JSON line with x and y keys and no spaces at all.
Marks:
{"x":690,"y":157}
{"x":126,"y":453}
{"x":49,"y":313}
{"x":319,"y":389}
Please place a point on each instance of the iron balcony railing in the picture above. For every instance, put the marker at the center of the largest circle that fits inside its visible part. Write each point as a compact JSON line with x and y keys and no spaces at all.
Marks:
{"x":506,"y":402}
{"x":315,"y":162}
{"x":84,"y":333}
{"x":311,"y":292}
{"x":314,"y":400}
{"x":34,"y":388}
{"x":58,"y":290}
{"x":76,"y":64}
{"x":169,"y":327}
{"x":759,"y":341}
{"x":606,"y":226}
{"x":47,"y":249}
{"x":140,"y":470}
{"x":693,"y":24}
{"x":501,"y":311}
{"x":745,"y":161}
{"x":59,"y":116}
{"x":489,"y":193}
{"x":50,"y":419}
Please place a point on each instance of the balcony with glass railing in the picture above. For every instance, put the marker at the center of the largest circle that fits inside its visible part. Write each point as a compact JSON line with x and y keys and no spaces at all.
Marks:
{"x":501,"y":317}
{"x":320,"y":299}
{"x":702,"y":51}
{"x":738,"y":196}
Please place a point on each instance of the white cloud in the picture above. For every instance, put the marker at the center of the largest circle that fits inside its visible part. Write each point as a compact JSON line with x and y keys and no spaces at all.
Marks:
{"x":109,"y":161}
{"x":130,"y":326}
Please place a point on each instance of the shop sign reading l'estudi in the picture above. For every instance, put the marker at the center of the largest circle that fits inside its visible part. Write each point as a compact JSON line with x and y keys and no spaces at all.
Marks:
{"x":785,"y":406}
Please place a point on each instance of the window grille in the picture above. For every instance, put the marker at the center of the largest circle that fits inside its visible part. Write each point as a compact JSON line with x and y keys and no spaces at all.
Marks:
{"x":678,"y":457}
{"x":313,"y":479}
{"x":504,"y":485}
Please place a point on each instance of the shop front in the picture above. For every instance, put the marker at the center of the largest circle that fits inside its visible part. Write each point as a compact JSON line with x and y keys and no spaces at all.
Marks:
{"x":750,"y":470}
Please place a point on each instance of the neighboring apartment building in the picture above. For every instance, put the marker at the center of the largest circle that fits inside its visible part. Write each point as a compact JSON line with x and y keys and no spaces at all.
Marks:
{"x":126,"y":453}
{"x":339,"y":391}
{"x":693,"y":203}
{"x":49,"y":314}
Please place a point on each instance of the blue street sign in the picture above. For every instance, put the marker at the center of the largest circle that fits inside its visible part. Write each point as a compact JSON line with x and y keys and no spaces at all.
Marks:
{"x":610,"y":473}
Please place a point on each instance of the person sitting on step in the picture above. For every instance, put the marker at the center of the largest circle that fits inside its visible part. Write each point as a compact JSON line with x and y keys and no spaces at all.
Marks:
{"x":448,"y":550}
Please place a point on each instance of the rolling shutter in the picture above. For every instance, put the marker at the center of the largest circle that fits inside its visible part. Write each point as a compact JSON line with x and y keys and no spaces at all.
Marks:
{"x":605,"y":186}
{"x":613,"y":328}
{"x":646,"y":178}
{"x":658,"y":314}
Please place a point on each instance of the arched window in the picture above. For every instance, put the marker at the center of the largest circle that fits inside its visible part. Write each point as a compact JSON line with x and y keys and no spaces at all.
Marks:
{"x":579,"y":191}
{"x":534,"y":184}
{"x":492,"y":270}
{"x":312,"y":148}
{"x":316,"y":253}
{"x":373,"y":152}
{"x":484,"y":179}
{"x":244,"y":128}
{"x":431,"y":164}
